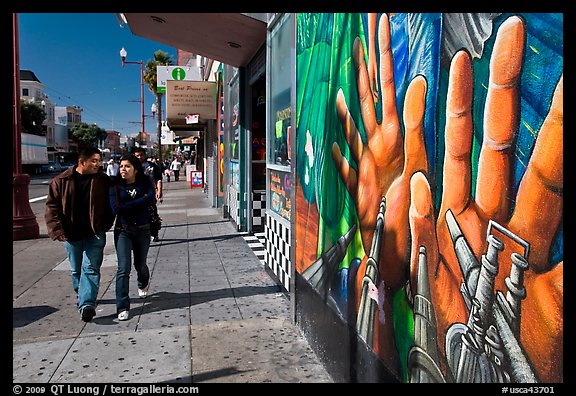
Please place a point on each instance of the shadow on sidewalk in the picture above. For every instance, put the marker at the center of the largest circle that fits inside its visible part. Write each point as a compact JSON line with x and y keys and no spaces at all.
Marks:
{"x":175,"y":241}
{"x":170,"y":225}
{"x":162,"y":301}
{"x":24,"y":316}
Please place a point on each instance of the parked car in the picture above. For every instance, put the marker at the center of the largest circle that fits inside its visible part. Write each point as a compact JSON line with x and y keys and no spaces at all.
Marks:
{"x":52,"y":166}
{"x":66,"y":165}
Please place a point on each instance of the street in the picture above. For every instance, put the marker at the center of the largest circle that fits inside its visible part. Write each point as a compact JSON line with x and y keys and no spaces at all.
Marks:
{"x":37,"y":193}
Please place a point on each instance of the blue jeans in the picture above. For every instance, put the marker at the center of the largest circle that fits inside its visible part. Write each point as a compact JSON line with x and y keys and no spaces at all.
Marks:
{"x":127,"y":241}
{"x":85,"y":258}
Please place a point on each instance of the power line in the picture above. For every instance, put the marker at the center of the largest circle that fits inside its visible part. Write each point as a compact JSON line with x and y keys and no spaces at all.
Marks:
{"x":73,"y":102}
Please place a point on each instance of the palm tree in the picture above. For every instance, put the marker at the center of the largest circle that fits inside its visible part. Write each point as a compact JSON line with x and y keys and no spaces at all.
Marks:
{"x":161,"y":58}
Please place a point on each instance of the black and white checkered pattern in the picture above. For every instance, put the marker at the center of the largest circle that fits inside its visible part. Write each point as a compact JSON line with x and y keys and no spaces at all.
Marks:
{"x":277,"y":256}
{"x":258,"y":210}
{"x":257,"y":244}
{"x":234,"y":205}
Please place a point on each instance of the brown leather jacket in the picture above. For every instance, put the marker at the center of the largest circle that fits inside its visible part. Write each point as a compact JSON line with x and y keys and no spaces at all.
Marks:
{"x":60,"y":202}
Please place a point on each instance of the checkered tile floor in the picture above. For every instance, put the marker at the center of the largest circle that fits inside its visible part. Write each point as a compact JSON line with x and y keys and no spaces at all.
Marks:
{"x":257,"y":244}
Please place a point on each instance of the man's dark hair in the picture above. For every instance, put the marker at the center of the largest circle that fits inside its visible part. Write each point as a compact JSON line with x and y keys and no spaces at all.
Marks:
{"x":140,"y":150}
{"x":87,"y":152}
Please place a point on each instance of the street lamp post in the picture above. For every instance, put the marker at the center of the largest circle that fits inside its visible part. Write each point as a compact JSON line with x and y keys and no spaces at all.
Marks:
{"x":123,"y":55}
{"x":24,"y":224}
{"x":153,"y":109}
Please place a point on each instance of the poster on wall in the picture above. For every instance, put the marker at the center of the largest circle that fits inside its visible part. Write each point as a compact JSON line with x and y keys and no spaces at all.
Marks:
{"x":280,"y":193}
{"x":233,"y":118}
{"x":196,"y":179}
{"x":235,"y":175}
{"x":280,"y":140}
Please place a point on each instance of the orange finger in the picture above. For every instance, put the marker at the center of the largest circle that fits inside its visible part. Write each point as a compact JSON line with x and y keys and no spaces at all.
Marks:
{"x":458,"y":135}
{"x":415,"y":157}
{"x":351,"y":132}
{"x":364,"y":92}
{"x":422,"y":227}
{"x":444,"y":284}
{"x":539,"y":204}
{"x":501,"y":115}
{"x":542,"y":324}
{"x":389,"y":112}
{"x":347,"y":174}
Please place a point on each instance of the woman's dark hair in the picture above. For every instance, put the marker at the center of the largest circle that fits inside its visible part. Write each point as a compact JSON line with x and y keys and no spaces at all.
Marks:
{"x":140,"y":176}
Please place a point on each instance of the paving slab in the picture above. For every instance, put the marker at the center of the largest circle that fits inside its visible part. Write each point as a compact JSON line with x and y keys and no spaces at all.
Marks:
{"x":37,"y":362}
{"x":133,"y":357}
{"x":252,"y":351}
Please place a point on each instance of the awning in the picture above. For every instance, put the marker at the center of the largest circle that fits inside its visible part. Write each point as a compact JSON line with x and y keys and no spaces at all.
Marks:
{"x":231,"y":38}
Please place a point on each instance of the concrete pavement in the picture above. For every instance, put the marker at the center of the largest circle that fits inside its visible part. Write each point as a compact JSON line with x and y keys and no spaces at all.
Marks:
{"x":213,"y":314}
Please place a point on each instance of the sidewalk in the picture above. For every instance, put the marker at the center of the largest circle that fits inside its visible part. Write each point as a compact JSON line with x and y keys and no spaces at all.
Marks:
{"x":212,"y":314}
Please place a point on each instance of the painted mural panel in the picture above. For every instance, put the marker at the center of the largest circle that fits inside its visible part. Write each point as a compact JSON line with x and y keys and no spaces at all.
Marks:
{"x":429,"y":191}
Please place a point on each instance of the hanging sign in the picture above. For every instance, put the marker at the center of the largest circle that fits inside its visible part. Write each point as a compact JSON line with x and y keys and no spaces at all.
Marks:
{"x":185,"y":98}
{"x":177,"y":73}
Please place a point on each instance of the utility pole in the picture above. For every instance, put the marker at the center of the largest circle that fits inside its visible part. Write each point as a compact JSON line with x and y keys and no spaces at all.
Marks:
{"x":123,"y":55}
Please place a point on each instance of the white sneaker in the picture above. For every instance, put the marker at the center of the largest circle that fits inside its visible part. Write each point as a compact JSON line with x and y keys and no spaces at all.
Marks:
{"x":123,"y":315}
{"x":143,"y":292}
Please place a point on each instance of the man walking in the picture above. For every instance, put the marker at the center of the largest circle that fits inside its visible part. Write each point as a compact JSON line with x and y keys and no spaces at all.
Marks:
{"x":78,"y":213}
{"x":175,"y":167}
{"x":154,"y":171}
{"x":112,"y":168}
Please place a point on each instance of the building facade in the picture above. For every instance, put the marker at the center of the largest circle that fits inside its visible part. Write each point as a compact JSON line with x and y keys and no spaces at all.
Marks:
{"x":32,"y":91}
{"x":66,"y":118}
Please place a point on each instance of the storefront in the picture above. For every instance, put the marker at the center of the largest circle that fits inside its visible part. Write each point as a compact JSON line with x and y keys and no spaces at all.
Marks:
{"x":245,"y":144}
{"x":279,"y":164}
{"x":234,"y":205}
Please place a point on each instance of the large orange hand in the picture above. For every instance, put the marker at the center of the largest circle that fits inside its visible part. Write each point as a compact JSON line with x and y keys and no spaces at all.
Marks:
{"x":382,"y":168}
{"x":535,"y":218}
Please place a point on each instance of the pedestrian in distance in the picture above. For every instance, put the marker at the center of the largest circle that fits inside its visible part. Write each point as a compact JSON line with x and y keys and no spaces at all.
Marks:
{"x":78,"y":213}
{"x":112,"y":168}
{"x":131,"y":195}
{"x":175,"y":167}
{"x":165,"y":166}
{"x":154,"y":171}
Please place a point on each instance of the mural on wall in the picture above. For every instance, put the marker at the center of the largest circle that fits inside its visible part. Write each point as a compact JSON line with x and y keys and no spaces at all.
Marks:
{"x":429,"y":192}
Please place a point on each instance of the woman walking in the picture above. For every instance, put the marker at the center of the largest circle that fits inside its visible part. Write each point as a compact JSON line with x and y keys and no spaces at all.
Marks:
{"x":130,"y":196}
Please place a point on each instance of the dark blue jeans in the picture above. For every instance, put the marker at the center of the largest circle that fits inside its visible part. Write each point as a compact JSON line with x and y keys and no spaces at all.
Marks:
{"x":85,"y":258}
{"x":128,"y":241}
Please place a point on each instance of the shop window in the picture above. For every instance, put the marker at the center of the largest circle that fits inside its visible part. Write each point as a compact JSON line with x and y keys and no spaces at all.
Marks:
{"x":280,"y":80}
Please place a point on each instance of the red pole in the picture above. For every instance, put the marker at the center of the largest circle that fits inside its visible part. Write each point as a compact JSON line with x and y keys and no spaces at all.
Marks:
{"x":24,"y":224}
{"x":17,"y":158}
{"x":141,"y":63}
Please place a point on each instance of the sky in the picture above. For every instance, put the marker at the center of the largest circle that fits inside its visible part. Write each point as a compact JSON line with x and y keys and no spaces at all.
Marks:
{"x":77,"y":58}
